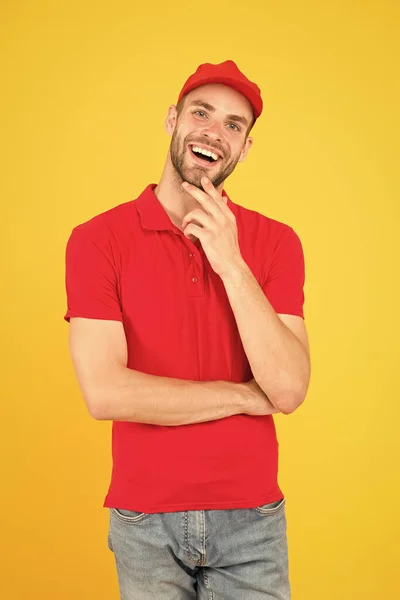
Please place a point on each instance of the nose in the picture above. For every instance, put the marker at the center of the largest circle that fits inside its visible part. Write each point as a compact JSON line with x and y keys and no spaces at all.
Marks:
{"x":213,"y":131}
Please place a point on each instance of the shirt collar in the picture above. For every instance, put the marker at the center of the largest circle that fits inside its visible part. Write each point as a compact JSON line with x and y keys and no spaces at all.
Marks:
{"x":152,"y":213}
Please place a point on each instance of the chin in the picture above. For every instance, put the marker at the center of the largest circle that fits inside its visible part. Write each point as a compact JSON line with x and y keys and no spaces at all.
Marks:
{"x":195,"y":175}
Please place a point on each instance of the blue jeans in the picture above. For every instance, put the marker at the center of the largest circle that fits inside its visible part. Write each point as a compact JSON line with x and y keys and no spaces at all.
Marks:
{"x":201,"y":554}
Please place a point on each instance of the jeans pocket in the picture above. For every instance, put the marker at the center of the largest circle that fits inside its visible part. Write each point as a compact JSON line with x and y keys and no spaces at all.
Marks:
{"x":271,"y":508}
{"x":128,"y":516}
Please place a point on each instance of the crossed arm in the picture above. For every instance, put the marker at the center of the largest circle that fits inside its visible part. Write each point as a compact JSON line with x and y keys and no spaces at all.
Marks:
{"x":276,"y":347}
{"x":114,"y":392}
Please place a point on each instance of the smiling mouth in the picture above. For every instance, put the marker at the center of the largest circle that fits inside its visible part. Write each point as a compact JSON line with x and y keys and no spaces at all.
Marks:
{"x":204,"y":157}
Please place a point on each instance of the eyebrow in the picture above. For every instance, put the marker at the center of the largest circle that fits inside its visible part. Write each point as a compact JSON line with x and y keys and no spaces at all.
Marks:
{"x":207,"y":106}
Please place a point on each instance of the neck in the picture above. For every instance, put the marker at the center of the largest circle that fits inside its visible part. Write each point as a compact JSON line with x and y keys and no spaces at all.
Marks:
{"x":175,"y":201}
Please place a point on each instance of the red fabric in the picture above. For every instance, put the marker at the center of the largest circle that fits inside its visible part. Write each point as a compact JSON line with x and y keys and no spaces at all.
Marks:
{"x":132,"y":264}
{"x":228,"y":74}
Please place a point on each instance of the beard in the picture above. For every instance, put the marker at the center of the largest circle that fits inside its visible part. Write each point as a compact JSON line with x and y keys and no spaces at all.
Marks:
{"x":179,"y":151}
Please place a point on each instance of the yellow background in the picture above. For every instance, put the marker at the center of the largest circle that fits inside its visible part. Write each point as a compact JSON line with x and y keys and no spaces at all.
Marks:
{"x":85,"y":90}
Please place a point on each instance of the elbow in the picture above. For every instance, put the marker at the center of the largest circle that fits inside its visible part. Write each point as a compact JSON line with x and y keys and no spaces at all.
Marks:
{"x":288,"y":407}
{"x":96,"y":408}
{"x":289,"y":399}
{"x":97,"y":413}
{"x":288,"y":402}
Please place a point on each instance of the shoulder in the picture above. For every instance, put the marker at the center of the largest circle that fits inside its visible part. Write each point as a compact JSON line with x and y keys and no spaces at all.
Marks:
{"x":106,"y":235}
{"x":271,"y":233}
{"x":108,"y":222}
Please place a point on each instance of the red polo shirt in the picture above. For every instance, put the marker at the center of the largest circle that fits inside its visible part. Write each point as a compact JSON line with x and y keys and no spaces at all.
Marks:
{"x":132,"y":264}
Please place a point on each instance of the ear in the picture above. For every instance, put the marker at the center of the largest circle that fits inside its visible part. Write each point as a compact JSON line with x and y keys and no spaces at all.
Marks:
{"x":246,"y":147}
{"x":170,"y":121}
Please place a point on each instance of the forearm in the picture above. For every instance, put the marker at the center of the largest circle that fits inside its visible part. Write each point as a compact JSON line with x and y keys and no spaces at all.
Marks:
{"x":277,"y":358}
{"x":131,"y":395}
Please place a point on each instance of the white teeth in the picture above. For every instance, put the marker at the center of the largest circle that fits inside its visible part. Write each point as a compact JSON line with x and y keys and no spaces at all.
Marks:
{"x":205,"y":152}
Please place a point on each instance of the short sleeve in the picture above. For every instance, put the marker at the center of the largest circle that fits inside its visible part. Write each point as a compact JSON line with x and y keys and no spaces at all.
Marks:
{"x":283,"y":283}
{"x":90,"y":277}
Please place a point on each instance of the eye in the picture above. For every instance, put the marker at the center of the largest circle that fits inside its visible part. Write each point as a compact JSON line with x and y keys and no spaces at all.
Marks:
{"x":234,"y":125}
{"x":196,"y":112}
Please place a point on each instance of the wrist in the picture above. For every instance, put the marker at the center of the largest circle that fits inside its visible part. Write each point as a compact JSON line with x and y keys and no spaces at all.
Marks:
{"x":235,"y":271}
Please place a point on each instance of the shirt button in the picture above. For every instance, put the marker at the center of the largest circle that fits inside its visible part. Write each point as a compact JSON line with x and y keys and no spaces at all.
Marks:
{"x":191,"y":255}
{"x":194,"y":279}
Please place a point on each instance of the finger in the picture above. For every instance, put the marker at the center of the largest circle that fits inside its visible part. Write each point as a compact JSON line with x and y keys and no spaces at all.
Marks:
{"x":198,"y":215}
{"x":204,"y":199}
{"x":219,"y":200}
{"x":195,"y":230}
{"x":210,"y":189}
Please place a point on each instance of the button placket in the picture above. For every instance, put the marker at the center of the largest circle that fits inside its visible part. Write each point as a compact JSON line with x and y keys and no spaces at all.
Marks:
{"x":194,"y":270}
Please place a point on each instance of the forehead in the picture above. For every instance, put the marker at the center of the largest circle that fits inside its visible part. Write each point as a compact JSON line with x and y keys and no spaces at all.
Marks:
{"x":221,"y":97}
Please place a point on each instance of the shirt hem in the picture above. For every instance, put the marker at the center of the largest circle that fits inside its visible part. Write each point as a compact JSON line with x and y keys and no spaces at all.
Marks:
{"x":198,"y":505}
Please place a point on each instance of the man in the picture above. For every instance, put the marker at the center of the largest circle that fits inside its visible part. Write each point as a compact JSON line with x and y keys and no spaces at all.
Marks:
{"x":187,"y":331}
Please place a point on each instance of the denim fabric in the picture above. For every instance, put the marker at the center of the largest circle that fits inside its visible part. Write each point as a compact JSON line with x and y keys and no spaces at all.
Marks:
{"x":201,"y":554}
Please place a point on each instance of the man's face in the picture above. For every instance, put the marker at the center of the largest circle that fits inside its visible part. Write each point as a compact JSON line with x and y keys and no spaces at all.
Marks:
{"x":215,"y":118}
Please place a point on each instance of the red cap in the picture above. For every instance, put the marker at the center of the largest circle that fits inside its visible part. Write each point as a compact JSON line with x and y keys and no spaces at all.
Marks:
{"x":228,"y":74}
